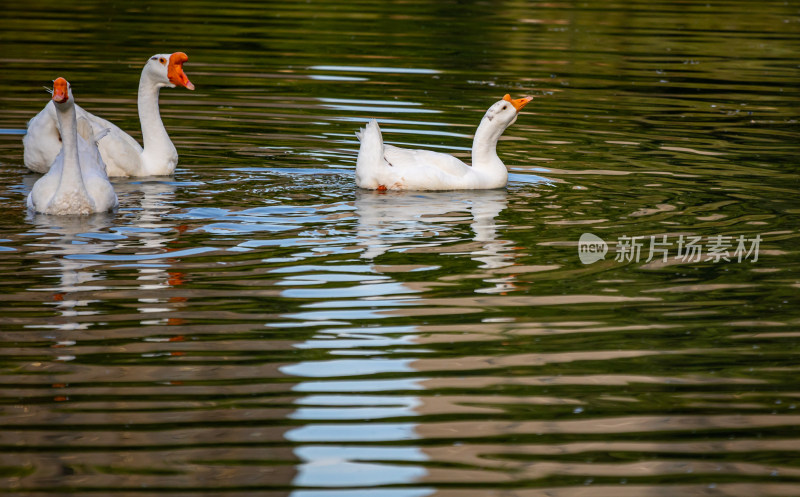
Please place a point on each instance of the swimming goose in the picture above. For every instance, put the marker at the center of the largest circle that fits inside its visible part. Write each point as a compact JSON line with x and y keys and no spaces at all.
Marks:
{"x":76,"y":182}
{"x":386,"y":167}
{"x":122,"y":153}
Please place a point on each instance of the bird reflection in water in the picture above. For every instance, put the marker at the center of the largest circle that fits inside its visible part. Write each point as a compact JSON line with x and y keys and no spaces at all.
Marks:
{"x":405,"y":221}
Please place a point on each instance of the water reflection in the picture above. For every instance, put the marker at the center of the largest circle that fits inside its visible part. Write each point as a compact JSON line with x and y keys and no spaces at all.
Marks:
{"x":147,"y":205}
{"x":354,"y":466}
{"x":394,"y":222}
{"x":66,"y":237}
{"x":402,"y":221}
{"x":138,"y":375}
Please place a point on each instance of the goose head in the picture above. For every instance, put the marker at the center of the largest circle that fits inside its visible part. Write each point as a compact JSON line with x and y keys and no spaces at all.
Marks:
{"x":167,"y":70}
{"x":62,"y":92}
{"x":504,"y":112}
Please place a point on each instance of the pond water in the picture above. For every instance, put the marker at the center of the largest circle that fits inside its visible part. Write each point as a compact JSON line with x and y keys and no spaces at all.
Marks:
{"x":256,"y":325}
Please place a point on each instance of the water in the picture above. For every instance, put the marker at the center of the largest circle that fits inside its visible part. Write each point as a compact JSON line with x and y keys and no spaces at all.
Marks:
{"x":255,"y":325}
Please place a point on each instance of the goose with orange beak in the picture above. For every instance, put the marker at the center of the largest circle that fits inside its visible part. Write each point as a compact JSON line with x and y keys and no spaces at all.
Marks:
{"x":122,"y":153}
{"x":386,"y":167}
{"x":77,"y":182}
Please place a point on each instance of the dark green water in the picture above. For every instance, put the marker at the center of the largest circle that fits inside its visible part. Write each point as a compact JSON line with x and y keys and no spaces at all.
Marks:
{"x":257,"y":326}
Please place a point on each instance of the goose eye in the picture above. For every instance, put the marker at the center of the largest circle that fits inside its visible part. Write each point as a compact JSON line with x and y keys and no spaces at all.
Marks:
{"x":162,"y":60}
{"x":504,"y":107}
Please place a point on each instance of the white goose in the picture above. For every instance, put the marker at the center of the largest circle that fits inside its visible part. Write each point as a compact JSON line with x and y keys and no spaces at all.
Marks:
{"x":77,"y":182}
{"x":122,"y":153}
{"x":385,"y":167}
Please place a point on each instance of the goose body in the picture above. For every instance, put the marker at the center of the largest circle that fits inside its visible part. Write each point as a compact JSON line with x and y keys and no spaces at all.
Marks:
{"x":122,"y":154}
{"x":386,"y":167}
{"x":76,"y":182}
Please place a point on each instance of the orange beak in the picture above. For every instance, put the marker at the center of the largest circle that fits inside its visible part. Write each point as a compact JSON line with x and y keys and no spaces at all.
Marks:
{"x":60,"y":90}
{"x":175,"y":70}
{"x":518,"y":103}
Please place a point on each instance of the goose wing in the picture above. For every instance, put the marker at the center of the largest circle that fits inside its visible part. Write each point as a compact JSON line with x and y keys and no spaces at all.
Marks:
{"x":425,"y":159}
{"x":121,"y":152}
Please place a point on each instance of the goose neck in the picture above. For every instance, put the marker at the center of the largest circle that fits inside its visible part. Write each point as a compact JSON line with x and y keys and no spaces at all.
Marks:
{"x":68,"y":124}
{"x":154,"y":135}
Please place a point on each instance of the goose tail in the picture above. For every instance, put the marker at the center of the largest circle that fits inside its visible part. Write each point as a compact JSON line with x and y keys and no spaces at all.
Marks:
{"x":370,"y":155}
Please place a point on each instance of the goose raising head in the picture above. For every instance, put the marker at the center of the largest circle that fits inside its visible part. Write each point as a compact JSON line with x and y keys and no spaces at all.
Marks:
{"x":167,"y":70}
{"x":505,"y":111}
{"x":386,"y":167}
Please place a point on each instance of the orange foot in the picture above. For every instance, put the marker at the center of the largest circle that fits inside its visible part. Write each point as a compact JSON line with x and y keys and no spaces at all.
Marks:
{"x":382,"y":188}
